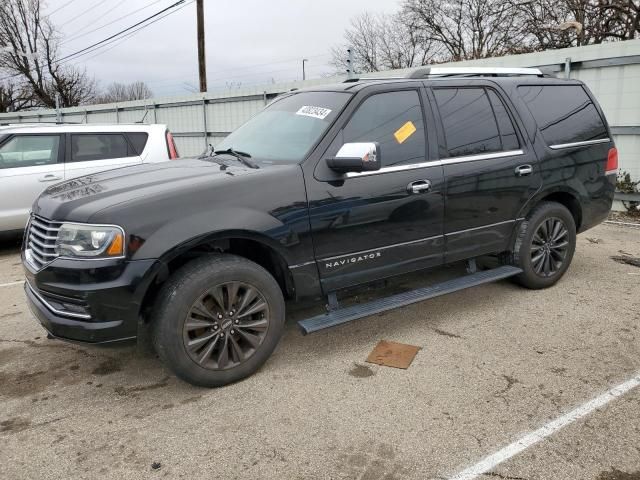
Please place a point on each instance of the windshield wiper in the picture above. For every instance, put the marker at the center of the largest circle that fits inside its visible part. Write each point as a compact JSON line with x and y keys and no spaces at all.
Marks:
{"x":243,"y":157}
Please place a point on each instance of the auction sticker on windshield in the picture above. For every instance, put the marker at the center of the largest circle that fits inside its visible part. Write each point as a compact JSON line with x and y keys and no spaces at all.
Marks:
{"x":315,"y":112}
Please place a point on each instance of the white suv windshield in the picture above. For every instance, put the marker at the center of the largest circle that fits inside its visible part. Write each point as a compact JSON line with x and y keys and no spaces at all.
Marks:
{"x":287,"y":129}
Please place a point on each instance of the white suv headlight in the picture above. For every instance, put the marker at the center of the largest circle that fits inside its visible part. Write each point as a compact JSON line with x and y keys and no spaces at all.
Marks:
{"x":90,"y":241}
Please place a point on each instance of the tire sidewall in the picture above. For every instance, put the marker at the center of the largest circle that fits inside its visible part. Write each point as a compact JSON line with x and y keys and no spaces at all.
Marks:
{"x":522,"y":250}
{"x":194,"y":281}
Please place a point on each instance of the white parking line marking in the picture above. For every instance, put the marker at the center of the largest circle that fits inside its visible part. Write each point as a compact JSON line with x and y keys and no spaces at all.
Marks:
{"x":550,"y":428}
{"x":11,"y":284}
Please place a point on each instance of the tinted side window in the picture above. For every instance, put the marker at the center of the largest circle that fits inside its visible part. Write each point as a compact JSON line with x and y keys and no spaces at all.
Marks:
{"x":29,"y":151}
{"x":98,"y":146}
{"x":395,"y":121}
{"x":564,"y":113}
{"x":505,"y":125}
{"x":138,"y":140}
{"x":470,"y":127}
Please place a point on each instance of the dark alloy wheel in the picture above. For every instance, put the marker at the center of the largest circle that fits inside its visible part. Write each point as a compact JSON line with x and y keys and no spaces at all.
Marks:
{"x":226,"y":325}
{"x":218,"y":319}
{"x":549,"y":247}
{"x":544,"y":245}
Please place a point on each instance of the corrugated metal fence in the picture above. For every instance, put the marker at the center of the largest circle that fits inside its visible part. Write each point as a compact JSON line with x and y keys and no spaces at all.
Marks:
{"x":612,"y":72}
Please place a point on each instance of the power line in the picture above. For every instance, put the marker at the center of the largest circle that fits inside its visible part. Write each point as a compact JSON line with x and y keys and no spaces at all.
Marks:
{"x":105,"y":13}
{"x":61,"y":7}
{"x":82,"y":13}
{"x":112,"y":38}
{"x":75,"y":36}
{"x":235,"y":69}
{"x":118,"y":41}
{"x":121,"y":31}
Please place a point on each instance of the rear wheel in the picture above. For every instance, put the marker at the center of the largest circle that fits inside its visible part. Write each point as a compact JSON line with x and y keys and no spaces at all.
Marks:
{"x":218,"y":319}
{"x":545,"y":245}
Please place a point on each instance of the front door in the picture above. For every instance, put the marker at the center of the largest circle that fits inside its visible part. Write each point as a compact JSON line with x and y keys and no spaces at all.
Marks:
{"x":490,"y":171}
{"x":373,"y":225}
{"x":28,"y":165}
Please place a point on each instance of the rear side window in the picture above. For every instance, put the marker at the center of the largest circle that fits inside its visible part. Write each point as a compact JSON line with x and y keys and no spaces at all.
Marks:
{"x":394,"y":120}
{"x":29,"y":151}
{"x":564,"y":113}
{"x":505,"y":124}
{"x":470,"y":127}
{"x":138,"y":141}
{"x":101,"y":146}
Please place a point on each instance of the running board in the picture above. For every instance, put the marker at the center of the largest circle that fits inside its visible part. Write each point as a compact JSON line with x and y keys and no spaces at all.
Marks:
{"x":347,"y":314}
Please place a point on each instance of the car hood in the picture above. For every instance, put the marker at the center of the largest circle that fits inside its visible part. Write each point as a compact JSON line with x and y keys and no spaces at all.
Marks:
{"x":81,"y":198}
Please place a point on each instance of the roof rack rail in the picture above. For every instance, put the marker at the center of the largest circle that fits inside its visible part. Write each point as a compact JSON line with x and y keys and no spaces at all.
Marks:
{"x":361,"y":79}
{"x":426,"y":72}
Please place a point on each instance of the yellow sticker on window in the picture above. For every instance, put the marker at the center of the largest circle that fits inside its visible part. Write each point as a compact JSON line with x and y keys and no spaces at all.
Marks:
{"x":405,"y":131}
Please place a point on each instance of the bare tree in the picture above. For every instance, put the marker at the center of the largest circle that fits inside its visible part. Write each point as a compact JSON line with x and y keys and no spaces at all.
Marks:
{"x":139,"y":91}
{"x":567,"y":23}
{"x":621,"y":18}
{"x":121,"y":92}
{"x":380,"y":42}
{"x":30,"y":57}
{"x":14,"y":98}
{"x":469,"y":29}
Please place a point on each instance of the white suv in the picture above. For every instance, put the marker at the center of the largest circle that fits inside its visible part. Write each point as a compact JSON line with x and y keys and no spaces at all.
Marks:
{"x":34,"y":156}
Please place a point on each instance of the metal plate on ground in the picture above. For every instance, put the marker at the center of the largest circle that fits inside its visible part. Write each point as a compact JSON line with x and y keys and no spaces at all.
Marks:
{"x":393,"y":354}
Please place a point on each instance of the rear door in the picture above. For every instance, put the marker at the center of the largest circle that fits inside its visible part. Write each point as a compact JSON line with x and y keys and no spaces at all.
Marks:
{"x":490,"y":171}
{"x":89,"y":153}
{"x":28,"y":164}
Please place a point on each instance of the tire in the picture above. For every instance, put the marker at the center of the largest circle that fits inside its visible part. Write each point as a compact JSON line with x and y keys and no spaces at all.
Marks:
{"x":532,"y":240}
{"x":191,"y":332}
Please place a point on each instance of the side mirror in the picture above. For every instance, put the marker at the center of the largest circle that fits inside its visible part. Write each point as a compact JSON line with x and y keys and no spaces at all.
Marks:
{"x":356,"y":157}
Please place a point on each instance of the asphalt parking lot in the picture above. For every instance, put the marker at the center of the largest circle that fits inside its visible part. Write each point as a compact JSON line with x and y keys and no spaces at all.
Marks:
{"x":496,"y":363}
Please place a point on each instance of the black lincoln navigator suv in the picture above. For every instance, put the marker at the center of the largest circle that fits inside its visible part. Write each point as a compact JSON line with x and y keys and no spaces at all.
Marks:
{"x":326,"y":188}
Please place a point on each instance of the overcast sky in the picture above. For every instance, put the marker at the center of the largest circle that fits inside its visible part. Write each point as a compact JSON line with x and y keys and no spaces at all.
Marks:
{"x":247,"y":41}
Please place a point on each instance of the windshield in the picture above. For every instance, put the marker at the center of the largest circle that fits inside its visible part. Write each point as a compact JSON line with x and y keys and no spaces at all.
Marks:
{"x":288,"y":128}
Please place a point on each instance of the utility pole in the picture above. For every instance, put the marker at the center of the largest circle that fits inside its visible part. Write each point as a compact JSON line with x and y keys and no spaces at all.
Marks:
{"x":202,"y":63}
{"x":304,"y":76}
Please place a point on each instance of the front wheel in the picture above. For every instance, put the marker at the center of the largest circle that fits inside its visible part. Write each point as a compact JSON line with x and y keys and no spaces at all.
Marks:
{"x":217,"y":320}
{"x":545,"y":245}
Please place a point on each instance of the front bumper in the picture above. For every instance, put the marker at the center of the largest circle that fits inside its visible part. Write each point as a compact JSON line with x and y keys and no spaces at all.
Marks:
{"x":91,"y":302}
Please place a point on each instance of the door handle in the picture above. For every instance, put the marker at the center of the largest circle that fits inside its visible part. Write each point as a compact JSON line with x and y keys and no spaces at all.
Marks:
{"x":419,"y":186}
{"x":523,"y":170}
{"x":49,"y":178}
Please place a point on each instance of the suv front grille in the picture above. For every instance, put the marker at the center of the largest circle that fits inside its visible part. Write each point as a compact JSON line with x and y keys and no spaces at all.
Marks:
{"x":41,"y":241}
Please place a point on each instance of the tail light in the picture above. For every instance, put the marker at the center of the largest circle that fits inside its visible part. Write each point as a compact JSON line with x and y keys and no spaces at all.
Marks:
{"x":171,"y":146}
{"x":612,"y":161}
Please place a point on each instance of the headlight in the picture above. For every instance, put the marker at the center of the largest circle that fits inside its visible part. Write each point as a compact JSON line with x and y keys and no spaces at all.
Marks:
{"x":90,"y":241}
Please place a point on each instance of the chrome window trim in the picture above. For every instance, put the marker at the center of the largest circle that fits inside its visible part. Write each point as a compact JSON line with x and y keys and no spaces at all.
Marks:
{"x":579,"y":144}
{"x":482,"y":156}
{"x":386,"y":247}
{"x":55,"y":310}
{"x":435,"y":163}
{"x":396,"y":168}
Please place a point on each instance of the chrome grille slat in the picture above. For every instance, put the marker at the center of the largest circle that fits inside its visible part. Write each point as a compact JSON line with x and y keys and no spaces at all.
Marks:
{"x":44,"y":237}
{"x":40,"y":252}
{"x":43,"y":227}
{"x":34,"y":239}
{"x":41,"y":241}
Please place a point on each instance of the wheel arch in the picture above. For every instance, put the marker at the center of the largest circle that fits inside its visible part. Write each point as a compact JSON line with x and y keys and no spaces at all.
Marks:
{"x":563,"y":196}
{"x":247,"y":244}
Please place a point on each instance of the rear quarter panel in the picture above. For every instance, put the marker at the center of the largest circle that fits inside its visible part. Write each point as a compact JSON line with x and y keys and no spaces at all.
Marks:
{"x":578,"y":171}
